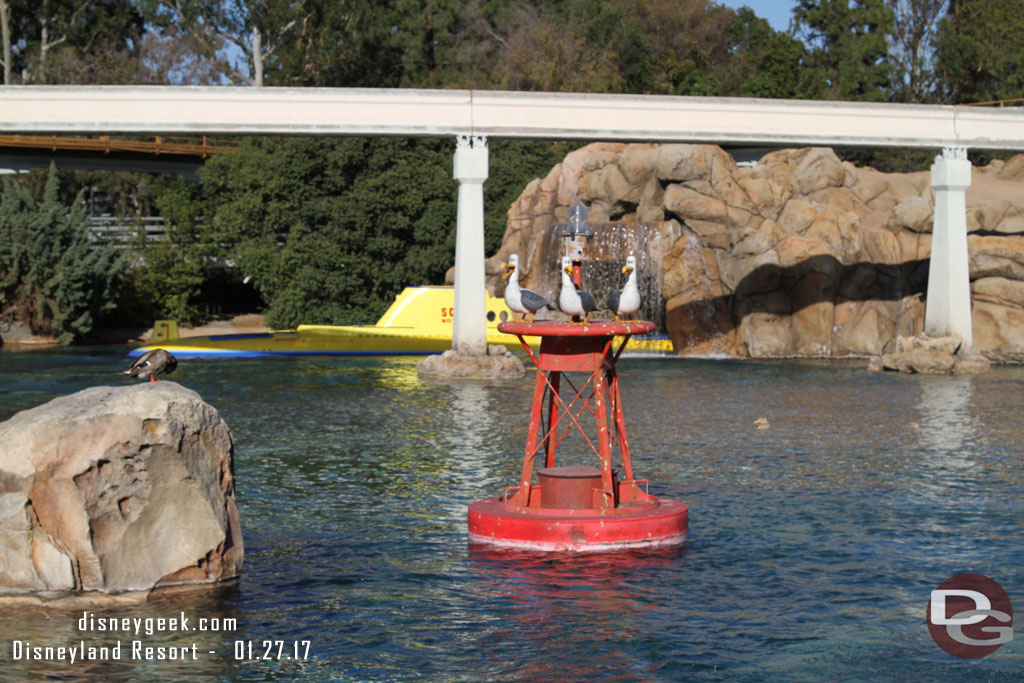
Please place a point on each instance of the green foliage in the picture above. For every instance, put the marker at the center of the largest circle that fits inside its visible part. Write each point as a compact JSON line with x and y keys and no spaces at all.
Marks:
{"x":69,"y":41}
{"x":911,"y":44}
{"x":847,"y":59}
{"x":765,"y":63}
{"x":348,"y":43}
{"x":164,"y":286}
{"x":978,"y":53}
{"x":331,"y":230}
{"x":427,"y":37}
{"x":58,"y":279}
{"x":666,"y":46}
{"x":168,"y":277}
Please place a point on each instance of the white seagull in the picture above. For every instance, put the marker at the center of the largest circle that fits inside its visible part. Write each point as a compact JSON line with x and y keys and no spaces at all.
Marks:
{"x":626,"y":301}
{"x":572,"y":301}
{"x":518,"y":299}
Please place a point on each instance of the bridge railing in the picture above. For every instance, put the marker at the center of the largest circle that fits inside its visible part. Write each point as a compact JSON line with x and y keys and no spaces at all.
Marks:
{"x":126,"y":233}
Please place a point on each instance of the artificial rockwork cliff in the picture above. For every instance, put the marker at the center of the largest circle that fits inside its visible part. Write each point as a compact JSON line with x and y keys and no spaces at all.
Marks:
{"x":799,"y":255}
{"x":117,"y":490}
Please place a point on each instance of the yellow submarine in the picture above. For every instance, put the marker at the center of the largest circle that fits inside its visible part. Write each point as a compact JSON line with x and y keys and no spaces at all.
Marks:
{"x":418,"y":322}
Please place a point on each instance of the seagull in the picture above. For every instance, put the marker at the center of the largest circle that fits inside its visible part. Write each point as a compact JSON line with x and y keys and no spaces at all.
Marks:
{"x":572,"y":301}
{"x":518,"y":299}
{"x":151,"y":364}
{"x":626,"y":301}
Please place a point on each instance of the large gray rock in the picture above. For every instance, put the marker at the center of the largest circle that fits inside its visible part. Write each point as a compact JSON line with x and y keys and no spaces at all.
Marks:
{"x":115,"y":490}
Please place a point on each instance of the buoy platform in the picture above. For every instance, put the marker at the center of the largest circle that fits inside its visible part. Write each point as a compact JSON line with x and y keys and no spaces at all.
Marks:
{"x":582,"y":508}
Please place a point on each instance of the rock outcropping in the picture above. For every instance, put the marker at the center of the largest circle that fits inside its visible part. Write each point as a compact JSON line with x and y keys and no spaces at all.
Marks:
{"x":499,"y":363}
{"x":799,"y":255}
{"x":116,"y":490}
{"x":931,"y":356}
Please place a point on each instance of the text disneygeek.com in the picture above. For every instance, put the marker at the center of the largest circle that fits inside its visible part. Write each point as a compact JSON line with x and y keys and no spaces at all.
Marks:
{"x":134,"y":645}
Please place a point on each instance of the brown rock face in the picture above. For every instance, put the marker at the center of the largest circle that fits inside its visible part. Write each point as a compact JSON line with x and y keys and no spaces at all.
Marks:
{"x":117,"y":489}
{"x":930,"y":356}
{"x":800,"y":255}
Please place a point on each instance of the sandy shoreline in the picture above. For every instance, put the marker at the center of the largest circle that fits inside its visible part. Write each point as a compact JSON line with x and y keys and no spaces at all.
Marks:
{"x":20,"y":336}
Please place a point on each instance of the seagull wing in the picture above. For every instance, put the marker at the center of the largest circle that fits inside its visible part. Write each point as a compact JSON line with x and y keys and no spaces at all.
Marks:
{"x":613,"y":301}
{"x":533,"y":301}
{"x":588,"y":302}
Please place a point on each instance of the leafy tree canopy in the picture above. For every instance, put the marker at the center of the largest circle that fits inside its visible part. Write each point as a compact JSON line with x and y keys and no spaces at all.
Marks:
{"x":848,"y":48}
{"x":978,"y":51}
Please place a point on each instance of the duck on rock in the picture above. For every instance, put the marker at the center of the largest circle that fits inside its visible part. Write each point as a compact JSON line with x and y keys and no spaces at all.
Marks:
{"x":151,"y":364}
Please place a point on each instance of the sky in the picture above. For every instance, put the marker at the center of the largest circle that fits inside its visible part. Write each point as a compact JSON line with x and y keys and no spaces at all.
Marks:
{"x":777,"y":12}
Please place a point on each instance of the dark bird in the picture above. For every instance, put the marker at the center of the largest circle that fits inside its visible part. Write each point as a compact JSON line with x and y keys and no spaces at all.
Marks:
{"x":572,"y":301}
{"x":626,"y":301}
{"x":518,"y":299}
{"x":151,"y":364}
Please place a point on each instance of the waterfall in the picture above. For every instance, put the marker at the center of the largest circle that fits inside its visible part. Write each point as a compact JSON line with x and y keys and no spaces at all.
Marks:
{"x":602,"y":274}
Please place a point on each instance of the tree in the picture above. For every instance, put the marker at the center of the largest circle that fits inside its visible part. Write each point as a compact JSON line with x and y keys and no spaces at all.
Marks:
{"x":427,"y":35}
{"x":911,"y":43}
{"x":168,"y":278}
{"x":537,"y":53}
{"x":343,"y":43}
{"x":46,"y":36}
{"x":764,"y":63}
{"x":219,"y":29}
{"x":978,"y":55}
{"x":373,"y":216}
{"x":847,"y":42}
{"x":59,"y":279}
{"x":5,"y":39}
{"x":665,"y":46}
{"x":170,"y":58}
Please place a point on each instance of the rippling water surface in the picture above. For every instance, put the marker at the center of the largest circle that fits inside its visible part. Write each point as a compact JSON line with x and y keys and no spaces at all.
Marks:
{"x":813,"y":545}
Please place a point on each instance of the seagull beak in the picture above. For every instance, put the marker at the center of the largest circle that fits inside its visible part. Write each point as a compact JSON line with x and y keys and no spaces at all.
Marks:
{"x":507,"y":270}
{"x":626,"y":270}
{"x":568,"y":270}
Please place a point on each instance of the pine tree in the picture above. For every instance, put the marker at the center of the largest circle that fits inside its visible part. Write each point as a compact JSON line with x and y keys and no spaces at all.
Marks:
{"x":978,"y":51}
{"x":58,"y":279}
{"x":848,"y":48}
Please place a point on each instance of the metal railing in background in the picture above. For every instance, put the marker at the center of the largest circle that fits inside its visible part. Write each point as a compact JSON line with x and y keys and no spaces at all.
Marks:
{"x":158,"y":145}
{"x":125,"y":233}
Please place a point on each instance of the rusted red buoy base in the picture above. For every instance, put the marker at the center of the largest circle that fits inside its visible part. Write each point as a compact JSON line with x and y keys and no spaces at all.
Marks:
{"x":650,"y":524}
{"x":577,"y":508}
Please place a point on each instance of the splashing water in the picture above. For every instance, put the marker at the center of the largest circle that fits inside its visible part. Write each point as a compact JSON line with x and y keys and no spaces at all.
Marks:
{"x":602,"y":274}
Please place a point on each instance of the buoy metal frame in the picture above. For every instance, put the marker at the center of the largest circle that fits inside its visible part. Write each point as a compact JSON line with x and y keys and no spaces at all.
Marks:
{"x":621,"y":513}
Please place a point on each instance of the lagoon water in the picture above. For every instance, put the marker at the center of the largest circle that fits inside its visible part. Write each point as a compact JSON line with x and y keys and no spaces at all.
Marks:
{"x":813,"y":545}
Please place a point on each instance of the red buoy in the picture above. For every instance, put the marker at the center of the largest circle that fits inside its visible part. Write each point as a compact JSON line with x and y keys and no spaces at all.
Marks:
{"x":577,"y":508}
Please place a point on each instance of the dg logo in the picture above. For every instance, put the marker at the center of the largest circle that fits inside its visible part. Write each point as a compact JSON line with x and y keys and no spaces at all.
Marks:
{"x":969,"y":616}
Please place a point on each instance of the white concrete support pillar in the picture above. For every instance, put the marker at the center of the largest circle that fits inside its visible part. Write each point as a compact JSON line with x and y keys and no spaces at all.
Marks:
{"x":948,"y":309}
{"x":469,"y":333}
